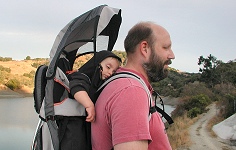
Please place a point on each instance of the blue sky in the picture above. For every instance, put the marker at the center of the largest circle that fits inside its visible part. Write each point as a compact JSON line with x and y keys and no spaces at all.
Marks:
{"x":29,"y":27}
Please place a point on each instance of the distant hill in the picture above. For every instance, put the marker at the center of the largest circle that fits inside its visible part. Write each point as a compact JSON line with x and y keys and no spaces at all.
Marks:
{"x":22,"y":71}
{"x":19,"y":67}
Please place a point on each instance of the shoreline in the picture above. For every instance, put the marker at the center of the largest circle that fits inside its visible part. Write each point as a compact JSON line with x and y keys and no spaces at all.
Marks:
{"x":8,"y":93}
{"x":6,"y":96}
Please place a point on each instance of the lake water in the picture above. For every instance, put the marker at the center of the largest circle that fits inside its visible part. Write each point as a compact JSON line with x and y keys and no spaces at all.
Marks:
{"x":18,"y":121}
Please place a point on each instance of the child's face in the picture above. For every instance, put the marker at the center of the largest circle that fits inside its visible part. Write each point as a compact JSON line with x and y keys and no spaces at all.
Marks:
{"x":109,"y":66}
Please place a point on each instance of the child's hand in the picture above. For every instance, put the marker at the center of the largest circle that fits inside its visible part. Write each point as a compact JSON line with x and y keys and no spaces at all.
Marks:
{"x":91,"y":114}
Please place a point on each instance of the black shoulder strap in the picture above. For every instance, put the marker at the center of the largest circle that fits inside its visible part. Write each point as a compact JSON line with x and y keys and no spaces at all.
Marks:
{"x":134,"y":76}
{"x":162,"y":112}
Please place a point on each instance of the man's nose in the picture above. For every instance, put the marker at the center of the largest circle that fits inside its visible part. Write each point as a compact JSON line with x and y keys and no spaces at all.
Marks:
{"x":171,"y":55}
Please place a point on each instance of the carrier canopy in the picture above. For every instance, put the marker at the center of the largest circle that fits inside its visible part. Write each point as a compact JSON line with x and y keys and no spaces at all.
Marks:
{"x":102,"y":22}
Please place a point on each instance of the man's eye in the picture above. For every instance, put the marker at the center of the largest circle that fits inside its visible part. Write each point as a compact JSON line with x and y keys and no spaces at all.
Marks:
{"x":167,"y":47}
{"x":108,"y":67}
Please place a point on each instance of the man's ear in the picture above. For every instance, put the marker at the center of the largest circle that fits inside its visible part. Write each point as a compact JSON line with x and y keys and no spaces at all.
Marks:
{"x":145,"y":49}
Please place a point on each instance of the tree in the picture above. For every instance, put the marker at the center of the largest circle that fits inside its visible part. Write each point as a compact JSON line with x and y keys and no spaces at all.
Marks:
{"x":227,"y":72}
{"x":209,"y":66}
{"x":27,"y":58}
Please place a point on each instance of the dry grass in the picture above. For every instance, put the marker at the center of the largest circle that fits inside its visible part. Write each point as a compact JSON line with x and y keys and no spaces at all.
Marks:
{"x":213,"y":121}
{"x":19,"y":67}
{"x":178,"y":132}
{"x":216,"y":119}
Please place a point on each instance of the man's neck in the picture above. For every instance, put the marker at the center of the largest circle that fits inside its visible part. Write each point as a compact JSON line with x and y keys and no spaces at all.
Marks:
{"x":137,"y":68}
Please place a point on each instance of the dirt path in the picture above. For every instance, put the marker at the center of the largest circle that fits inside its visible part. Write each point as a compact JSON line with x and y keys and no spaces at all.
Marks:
{"x":201,"y":138}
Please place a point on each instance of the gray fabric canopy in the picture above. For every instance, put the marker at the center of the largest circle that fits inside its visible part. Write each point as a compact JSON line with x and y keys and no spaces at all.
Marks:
{"x":85,"y":29}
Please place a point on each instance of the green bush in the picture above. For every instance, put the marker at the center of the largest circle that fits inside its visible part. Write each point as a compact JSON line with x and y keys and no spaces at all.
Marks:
{"x":13,"y":84}
{"x":194,"y":112}
{"x":200,"y":101}
{"x":196,"y":104}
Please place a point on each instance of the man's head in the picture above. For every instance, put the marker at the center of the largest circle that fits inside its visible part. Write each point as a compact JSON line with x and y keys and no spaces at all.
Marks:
{"x":139,"y":32}
{"x":154,"y":44}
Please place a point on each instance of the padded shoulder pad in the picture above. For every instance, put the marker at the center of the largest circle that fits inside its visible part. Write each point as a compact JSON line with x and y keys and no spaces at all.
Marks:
{"x":40,"y":82}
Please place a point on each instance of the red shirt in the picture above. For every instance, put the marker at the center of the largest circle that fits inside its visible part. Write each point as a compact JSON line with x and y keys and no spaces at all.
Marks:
{"x":122,"y":115}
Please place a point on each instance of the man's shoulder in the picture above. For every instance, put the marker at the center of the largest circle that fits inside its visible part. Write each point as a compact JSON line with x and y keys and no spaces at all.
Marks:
{"x":125,"y":81}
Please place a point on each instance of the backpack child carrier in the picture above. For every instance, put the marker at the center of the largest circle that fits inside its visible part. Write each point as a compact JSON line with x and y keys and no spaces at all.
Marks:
{"x":91,"y":32}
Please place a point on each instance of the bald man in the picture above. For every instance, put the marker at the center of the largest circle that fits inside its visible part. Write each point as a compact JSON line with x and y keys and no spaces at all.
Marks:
{"x":122,"y":120}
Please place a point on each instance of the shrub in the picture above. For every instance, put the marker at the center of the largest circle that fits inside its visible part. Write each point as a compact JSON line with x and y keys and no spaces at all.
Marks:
{"x":36,"y":65}
{"x":40,"y":62}
{"x":194,"y":112}
{"x":180,"y":110}
{"x":196,"y":88}
{"x":29,"y":75}
{"x":13,"y":84}
{"x":192,"y":105}
{"x":5,"y":69}
{"x":230,"y":105}
{"x":200,"y":101}
{"x":224,"y":89}
{"x":197,"y":105}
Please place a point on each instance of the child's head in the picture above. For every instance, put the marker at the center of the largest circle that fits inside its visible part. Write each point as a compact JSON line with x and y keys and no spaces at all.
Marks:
{"x":104,"y":59}
{"x":109,"y":66}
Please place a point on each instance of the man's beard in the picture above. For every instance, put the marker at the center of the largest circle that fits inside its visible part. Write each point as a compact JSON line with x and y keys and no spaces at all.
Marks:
{"x":155,"y":68}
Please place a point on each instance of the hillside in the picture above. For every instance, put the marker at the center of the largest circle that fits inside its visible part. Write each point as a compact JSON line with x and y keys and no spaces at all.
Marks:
{"x":20,"y":70}
{"x":19,"y":67}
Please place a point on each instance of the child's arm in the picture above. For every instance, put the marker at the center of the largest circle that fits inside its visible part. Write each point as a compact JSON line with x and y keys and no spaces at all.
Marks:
{"x":83,"y":98}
